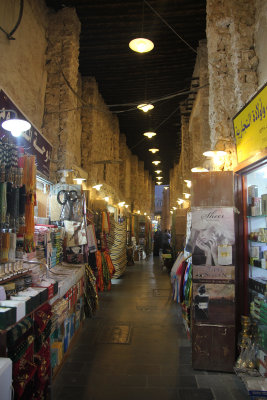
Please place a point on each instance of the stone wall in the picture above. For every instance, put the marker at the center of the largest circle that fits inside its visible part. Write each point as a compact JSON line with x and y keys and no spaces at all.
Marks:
{"x":232,"y":67}
{"x":125,"y":170}
{"x":61,"y":124}
{"x":260,"y":39}
{"x":22,"y":61}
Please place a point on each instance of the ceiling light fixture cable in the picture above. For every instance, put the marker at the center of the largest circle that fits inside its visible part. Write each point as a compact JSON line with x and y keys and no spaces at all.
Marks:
{"x":169,"y":26}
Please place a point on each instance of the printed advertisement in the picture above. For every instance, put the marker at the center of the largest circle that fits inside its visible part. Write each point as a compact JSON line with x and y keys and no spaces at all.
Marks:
{"x":212,"y":236}
{"x":214,"y":303}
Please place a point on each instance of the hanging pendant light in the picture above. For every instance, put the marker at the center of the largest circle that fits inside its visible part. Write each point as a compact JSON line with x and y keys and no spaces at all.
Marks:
{"x":153,"y":150}
{"x":14,"y":125}
{"x":141,"y":45}
{"x":158,"y":171}
{"x":145,"y":107}
{"x":150,"y":134}
{"x":156,"y":162}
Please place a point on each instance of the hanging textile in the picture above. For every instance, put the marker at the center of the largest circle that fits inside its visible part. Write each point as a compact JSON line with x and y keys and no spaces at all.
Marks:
{"x":117,"y":246}
{"x":105,"y":222}
{"x":90,"y":293}
{"x":91,"y":238}
{"x":29,"y":179}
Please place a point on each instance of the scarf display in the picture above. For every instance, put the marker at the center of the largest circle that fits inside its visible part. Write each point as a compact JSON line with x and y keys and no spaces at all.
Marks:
{"x":90,"y":293}
{"x":29,"y":179}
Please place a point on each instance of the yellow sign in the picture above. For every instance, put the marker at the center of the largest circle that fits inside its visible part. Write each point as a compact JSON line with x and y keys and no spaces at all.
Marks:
{"x":250,"y":126}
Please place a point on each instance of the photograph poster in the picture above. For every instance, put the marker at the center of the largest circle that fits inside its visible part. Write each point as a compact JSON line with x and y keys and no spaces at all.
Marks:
{"x":212,"y":236}
{"x":214,"y":303}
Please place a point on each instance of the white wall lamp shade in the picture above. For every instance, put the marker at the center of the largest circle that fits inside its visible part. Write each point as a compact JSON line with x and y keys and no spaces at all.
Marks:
{"x":145,"y":107}
{"x":153,"y":150}
{"x":188,"y":183}
{"x":98,"y":187}
{"x":141,"y":45}
{"x":199,"y":169}
{"x":16,"y":126}
{"x":79,"y":181}
{"x":156,"y":162}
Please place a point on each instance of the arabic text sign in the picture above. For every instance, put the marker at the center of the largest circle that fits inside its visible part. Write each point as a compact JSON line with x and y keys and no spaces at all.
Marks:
{"x":250,"y":126}
{"x":32,"y":140}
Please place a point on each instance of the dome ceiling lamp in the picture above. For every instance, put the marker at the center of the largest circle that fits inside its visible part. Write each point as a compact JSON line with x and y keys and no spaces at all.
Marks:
{"x":154,"y":150}
{"x":159,"y":177}
{"x":150,"y":134}
{"x":156,"y":162}
{"x":141,"y":44}
{"x":158,"y":171}
{"x":145,"y":107}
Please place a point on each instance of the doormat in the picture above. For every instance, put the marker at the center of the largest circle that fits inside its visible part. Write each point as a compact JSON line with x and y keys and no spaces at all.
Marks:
{"x":146,"y":308}
{"x":115,"y":334}
{"x":161,"y":292}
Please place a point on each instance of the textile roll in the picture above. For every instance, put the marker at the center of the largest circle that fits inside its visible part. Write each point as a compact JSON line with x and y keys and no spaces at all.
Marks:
{"x":117,"y":246}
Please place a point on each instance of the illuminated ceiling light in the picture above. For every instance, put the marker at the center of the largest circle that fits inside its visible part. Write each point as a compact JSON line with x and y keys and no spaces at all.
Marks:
{"x":138,"y":212}
{"x":106,"y":199}
{"x":188,"y":183}
{"x":171,"y":212}
{"x":180,"y":201}
{"x":79,"y":181}
{"x":126,"y":205}
{"x":214,"y":153}
{"x":166,"y":187}
{"x":159,"y":183}
{"x":98,"y":187}
{"x":145,"y":213}
{"x":158,"y":171}
{"x":145,"y":107}
{"x":159,"y":177}
{"x":199,"y":169}
{"x":156,"y":162}
{"x":14,"y":125}
{"x":153,"y":150}
{"x":141,"y":45}
{"x":121,"y":204}
{"x":187,"y":195}
{"x":174,"y":208}
{"x":150,"y":134}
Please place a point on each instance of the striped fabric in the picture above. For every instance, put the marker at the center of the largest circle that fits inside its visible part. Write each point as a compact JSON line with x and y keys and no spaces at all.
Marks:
{"x":117,"y":246}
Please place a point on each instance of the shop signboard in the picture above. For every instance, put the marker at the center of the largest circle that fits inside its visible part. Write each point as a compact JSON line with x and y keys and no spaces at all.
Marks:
{"x":32,"y":141}
{"x":250,"y":126}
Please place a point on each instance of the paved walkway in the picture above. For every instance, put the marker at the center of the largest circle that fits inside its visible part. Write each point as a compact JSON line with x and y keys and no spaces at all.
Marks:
{"x":151,"y":356}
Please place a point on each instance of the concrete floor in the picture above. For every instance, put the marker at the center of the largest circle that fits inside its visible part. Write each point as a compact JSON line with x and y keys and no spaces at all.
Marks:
{"x":155,"y":364}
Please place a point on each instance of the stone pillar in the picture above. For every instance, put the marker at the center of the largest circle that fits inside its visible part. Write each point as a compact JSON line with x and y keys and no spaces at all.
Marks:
{"x":125,"y":170}
{"x":61,"y":123}
{"x":232,"y":67}
{"x":100,"y":137}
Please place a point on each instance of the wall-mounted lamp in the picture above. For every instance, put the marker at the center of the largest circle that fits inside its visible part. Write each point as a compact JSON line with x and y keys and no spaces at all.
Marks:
{"x":79,"y":181}
{"x":138,"y":212}
{"x":150,"y":134}
{"x":214,"y":153}
{"x":121,"y":204}
{"x":171,"y":212}
{"x":98,"y":187}
{"x":188,"y":183}
{"x":187,"y":195}
{"x":174,"y":208}
{"x":145,"y":107}
{"x":180,"y":201}
{"x":199,"y":169}
{"x":15,"y":125}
